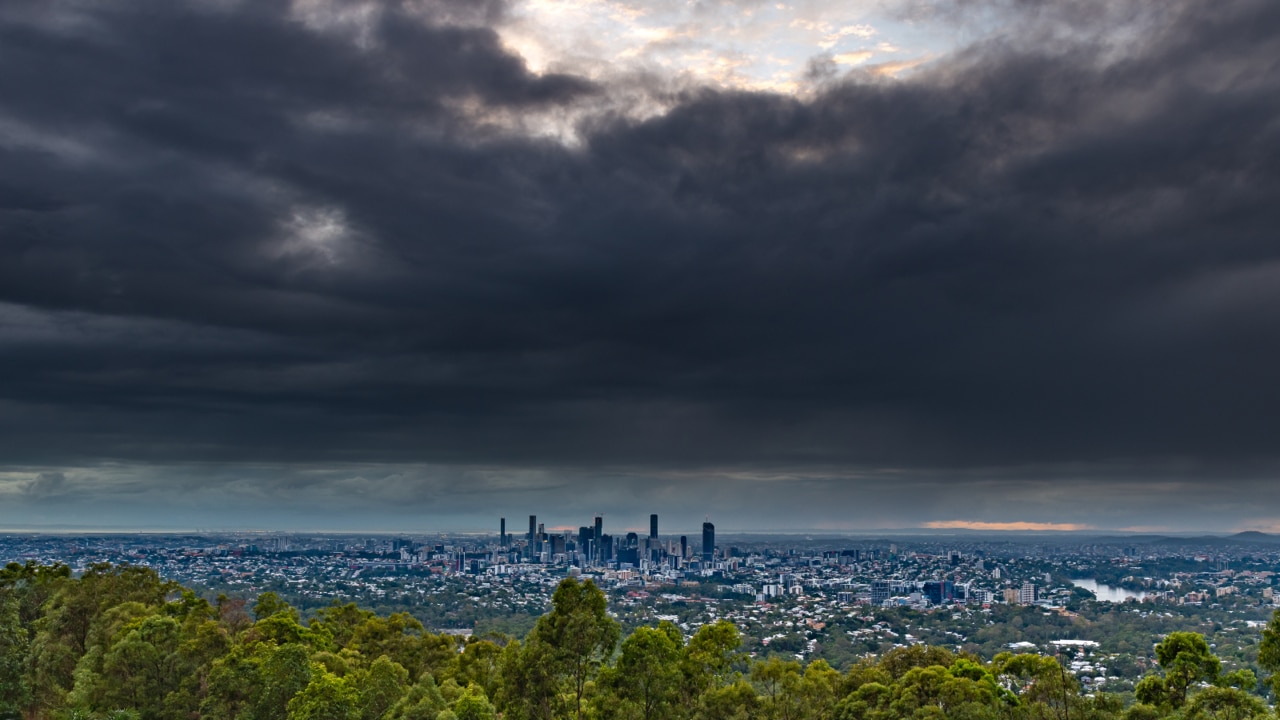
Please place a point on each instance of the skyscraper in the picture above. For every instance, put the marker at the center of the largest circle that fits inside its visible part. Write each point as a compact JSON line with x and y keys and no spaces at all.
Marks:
{"x":684,"y":547}
{"x":599,"y":535}
{"x":708,"y":541}
{"x":653,"y":526}
{"x":502,"y":534}
{"x":533,"y":527}
{"x":630,"y":550}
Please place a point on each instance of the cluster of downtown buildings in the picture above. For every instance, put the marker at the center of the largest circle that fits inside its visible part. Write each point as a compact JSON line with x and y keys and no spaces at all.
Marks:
{"x":632,"y":560}
{"x":591,"y":547}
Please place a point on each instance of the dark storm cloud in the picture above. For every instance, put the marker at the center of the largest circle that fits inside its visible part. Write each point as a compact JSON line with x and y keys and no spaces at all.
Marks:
{"x":231,"y":233}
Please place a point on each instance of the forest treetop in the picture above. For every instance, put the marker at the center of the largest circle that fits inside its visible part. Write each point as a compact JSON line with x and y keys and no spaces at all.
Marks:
{"x":120,"y":642}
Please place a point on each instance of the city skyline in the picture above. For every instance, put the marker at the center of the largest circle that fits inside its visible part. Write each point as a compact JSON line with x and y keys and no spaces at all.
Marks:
{"x":847,"y":266}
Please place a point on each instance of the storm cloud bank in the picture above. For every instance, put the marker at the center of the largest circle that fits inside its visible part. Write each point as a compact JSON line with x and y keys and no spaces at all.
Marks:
{"x":1042,"y":270}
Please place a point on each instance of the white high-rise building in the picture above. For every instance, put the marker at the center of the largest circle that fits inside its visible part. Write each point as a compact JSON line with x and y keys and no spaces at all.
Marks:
{"x":1027,"y":595}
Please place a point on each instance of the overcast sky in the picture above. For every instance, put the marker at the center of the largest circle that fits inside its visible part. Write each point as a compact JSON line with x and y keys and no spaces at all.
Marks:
{"x":833,"y":265}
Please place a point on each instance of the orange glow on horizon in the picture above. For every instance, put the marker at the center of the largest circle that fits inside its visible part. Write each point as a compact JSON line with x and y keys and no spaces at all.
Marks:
{"x":1020,"y":525}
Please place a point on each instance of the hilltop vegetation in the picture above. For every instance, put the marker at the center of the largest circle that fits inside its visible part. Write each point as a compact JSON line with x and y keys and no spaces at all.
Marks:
{"x":120,"y":643}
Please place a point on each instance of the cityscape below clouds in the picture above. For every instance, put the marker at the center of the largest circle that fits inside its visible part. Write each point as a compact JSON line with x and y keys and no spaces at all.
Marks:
{"x":639,"y":359}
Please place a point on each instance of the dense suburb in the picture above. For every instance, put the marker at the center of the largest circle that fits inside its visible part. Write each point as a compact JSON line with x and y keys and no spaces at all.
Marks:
{"x":118,"y":642}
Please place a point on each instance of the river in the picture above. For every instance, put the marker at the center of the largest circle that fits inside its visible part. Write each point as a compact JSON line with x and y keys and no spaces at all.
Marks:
{"x":1107,"y":593}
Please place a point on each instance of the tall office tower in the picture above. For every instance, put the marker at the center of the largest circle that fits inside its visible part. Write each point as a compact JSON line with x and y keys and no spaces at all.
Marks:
{"x":584,"y":539}
{"x":653,"y":526}
{"x":533,"y":526}
{"x":684,"y":547}
{"x":502,"y":534}
{"x":708,"y":541}
{"x":599,"y":537}
{"x":606,"y":548}
{"x":630,"y":550}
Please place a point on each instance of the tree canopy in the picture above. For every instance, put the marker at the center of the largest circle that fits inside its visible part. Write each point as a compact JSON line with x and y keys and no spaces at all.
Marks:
{"x":119,"y":642}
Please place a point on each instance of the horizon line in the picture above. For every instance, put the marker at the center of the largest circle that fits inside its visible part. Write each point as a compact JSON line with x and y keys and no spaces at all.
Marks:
{"x":928,"y":529}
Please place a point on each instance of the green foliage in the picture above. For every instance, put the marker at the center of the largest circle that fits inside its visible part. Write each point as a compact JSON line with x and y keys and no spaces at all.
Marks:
{"x":140,"y":670}
{"x":1186,"y":660}
{"x":340,"y":621}
{"x":68,"y":616}
{"x":283,"y":673}
{"x":1269,"y":651}
{"x":737,"y":701}
{"x":480,"y":663}
{"x":1218,"y":703}
{"x":269,"y":604}
{"x":24,"y":589}
{"x":644,"y":682}
{"x":14,"y":642}
{"x":326,"y":697}
{"x":120,"y":643}
{"x":570,"y":644}
{"x":473,"y":705}
{"x":423,"y":701}
{"x":708,"y":659}
{"x":1142,"y":711}
{"x":530,"y":684}
{"x":381,"y":687}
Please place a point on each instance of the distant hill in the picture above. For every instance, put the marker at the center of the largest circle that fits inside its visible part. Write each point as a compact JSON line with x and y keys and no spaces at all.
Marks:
{"x":1256,"y":538}
{"x":1250,"y":537}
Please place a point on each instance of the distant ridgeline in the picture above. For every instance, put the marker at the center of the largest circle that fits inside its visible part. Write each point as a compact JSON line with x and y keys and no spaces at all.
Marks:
{"x":119,"y":642}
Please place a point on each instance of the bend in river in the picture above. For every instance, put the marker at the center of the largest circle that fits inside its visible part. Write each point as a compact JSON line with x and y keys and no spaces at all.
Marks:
{"x":1107,"y":593}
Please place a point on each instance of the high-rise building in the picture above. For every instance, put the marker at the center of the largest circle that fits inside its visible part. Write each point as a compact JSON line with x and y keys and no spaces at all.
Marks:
{"x":653,"y":526}
{"x":1028,"y":595}
{"x":708,"y":542}
{"x":502,"y":534}
{"x":939,"y":591}
{"x":879,"y":592}
{"x":599,"y":538}
{"x":533,"y":527}
{"x":684,"y":547}
{"x":630,"y":550}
